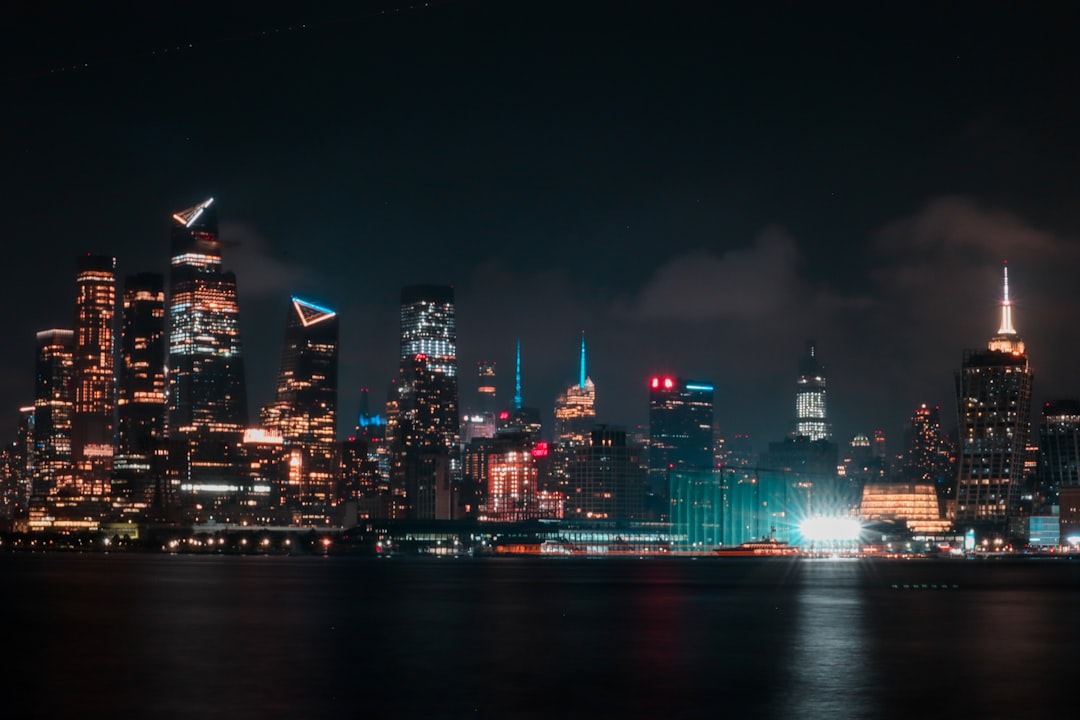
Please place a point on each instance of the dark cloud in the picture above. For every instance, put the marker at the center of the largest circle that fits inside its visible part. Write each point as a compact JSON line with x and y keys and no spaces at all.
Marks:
{"x":752,"y":283}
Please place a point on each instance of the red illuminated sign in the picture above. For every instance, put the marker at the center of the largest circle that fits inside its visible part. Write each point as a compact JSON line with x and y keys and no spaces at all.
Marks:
{"x":541,"y":450}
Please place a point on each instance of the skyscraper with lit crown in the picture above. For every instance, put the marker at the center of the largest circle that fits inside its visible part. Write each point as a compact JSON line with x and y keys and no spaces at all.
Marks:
{"x":425,"y":432}
{"x":575,"y":409}
{"x":207,"y":397}
{"x":993,"y":393}
{"x":811,"y":417}
{"x":575,"y":416}
{"x":305,"y":408}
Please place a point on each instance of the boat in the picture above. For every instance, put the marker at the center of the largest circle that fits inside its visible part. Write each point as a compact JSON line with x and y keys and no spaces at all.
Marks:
{"x":768,"y":547}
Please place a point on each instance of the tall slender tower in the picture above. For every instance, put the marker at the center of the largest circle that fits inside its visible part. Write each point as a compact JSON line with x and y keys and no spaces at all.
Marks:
{"x":207,"y":399}
{"x":138,"y":467}
{"x":426,"y":430}
{"x":810,"y":410}
{"x":575,"y":409}
{"x":95,"y":375}
{"x":141,"y":397}
{"x":54,"y":404}
{"x":993,"y":397}
{"x":575,"y":416}
{"x":305,"y":408}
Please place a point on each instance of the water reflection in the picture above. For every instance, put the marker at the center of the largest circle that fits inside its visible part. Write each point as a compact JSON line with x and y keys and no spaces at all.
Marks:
{"x":831,"y":668}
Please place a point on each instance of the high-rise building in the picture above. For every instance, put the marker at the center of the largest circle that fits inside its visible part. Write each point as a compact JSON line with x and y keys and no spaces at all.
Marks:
{"x":54,"y":405}
{"x":520,"y":416}
{"x":575,"y":416}
{"x":811,"y":417}
{"x":680,"y":428}
{"x":304,"y":410}
{"x":1059,"y":449}
{"x":512,"y":475}
{"x":481,"y":422}
{"x":930,"y":457}
{"x":607,"y":479}
{"x":141,"y":397}
{"x":95,"y":375}
{"x":140,"y":402}
{"x":993,"y":392}
{"x":575,"y":409}
{"x":207,"y":397}
{"x":425,"y":431}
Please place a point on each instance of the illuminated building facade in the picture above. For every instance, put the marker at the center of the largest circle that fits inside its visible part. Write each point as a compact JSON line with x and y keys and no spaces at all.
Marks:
{"x":141,"y":397}
{"x":993,"y":392}
{"x":680,"y":428}
{"x":1059,"y":449}
{"x":95,"y":375}
{"x":481,"y":422}
{"x":361,"y":481}
{"x":140,"y":402}
{"x":930,"y":457}
{"x":607,"y":479}
{"x":304,"y":410}
{"x":575,"y":416}
{"x":914,"y":504}
{"x":512,"y":478}
{"x":811,"y":417}
{"x":207,"y":399}
{"x":54,"y":405}
{"x":425,"y":432}
{"x":258,"y":498}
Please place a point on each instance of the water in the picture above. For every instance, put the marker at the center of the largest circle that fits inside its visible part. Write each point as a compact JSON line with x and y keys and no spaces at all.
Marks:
{"x":162,"y":636}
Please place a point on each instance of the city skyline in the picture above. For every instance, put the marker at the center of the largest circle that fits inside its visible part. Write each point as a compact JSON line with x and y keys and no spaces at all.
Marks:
{"x":698,"y":204}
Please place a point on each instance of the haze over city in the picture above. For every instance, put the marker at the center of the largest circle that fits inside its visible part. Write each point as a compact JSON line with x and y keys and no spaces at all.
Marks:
{"x":699,"y":189}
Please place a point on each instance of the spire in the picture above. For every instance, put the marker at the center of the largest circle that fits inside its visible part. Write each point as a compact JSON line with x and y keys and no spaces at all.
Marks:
{"x":517,"y":378}
{"x":1006,"y":308}
{"x":1007,"y":340}
{"x":581,"y":381}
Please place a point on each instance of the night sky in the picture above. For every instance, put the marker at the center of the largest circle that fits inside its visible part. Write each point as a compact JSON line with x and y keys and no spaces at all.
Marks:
{"x":700,"y":187}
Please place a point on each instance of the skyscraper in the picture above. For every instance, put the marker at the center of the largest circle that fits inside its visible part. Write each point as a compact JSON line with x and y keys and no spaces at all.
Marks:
{"x":575,"y":416}
{"x":427,"y":422}
{"x":811,"y":419}
{"x":930,"y":456}
{"x":680,"y":428}
{"x":520,"y":416}
{"x":993,"y":393}
{"x":207,"y":398}
{"x":1059,"y":449}
{"x":138,"y":470}
{"x":141,"y":397}
{"x":305,"y":408}
{"x":480,"y":422}
{"x":575,"y":409}
{"x":95,"y":374}
{"x":54,"y":404}
{"x":607,"y":479}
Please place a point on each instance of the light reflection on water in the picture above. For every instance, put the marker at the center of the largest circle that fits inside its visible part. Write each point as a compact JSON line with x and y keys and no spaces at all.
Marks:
{"x":830,"y":664}
{"x":183,"y":636}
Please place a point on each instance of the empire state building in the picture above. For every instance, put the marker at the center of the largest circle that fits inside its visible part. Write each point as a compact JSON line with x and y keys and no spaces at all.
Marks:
{"x":993,"y":399}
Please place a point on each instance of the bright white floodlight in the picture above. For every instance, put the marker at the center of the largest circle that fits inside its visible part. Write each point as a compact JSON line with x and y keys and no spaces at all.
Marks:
{"x":830,"y":529}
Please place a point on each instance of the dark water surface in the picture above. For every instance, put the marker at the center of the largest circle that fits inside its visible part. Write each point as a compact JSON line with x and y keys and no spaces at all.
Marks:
{"x":159,"y":636}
